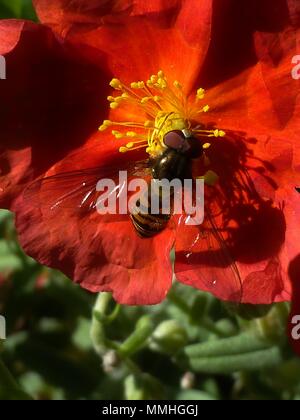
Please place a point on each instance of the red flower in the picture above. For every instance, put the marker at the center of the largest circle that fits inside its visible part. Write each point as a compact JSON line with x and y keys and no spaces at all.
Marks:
{"x":55,"y":97}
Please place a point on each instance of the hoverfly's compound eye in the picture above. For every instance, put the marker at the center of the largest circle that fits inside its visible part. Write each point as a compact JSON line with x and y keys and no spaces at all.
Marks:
{"x":190,"y":146}
{"x":175,"y":140}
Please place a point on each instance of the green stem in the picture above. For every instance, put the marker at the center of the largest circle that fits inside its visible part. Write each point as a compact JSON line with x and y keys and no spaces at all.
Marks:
{"x":138,"y":338}
{"x":98,"y":336}
{"x":206,"y":323}
{"x":6,"y":378}
{"x":102,"y":344}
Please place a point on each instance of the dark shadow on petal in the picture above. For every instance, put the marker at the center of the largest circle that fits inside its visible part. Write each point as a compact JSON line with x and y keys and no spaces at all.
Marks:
{"x":242,"y":227}
{"x":53,"y":99}
{"x":4,"y":165}
{"x":234,"y":24}
{"x":254,"y":226}
{"x":261,"y":232}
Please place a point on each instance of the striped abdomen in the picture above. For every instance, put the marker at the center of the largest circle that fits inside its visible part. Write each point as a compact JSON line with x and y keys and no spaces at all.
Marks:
{"x":145,"y":223}
{"x":170,"y":165}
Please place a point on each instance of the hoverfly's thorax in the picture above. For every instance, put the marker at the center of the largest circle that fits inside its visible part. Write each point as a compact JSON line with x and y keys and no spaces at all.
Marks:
{"x":170,"y":165}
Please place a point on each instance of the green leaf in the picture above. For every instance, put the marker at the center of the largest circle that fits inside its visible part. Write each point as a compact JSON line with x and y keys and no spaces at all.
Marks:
{"x":230,"y":364}
{"x":242,"y":343}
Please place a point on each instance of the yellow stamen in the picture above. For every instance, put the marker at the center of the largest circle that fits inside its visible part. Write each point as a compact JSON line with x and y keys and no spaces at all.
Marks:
{"x":114,"y":105}
{"x":148,"y":124}
{"x":105,"y":125}
{"x":117,"y":134}
{"x":219,"y":133}
{"x":200,"y":94}
{"x":145,"y":100}
{"x":116,"y":84}
{"x":166,"y":108}
{"x":131,"y":134}
{"x":119,"y":99}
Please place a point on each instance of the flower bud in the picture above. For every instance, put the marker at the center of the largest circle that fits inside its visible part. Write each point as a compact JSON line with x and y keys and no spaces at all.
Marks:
{"x":168,"y":337}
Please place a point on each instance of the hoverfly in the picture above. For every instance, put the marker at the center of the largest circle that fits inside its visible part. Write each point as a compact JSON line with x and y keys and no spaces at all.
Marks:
{"x":66,"y":189}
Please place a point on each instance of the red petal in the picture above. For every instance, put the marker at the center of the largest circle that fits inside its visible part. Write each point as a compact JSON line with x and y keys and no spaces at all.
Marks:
{"x":100,"y":256}
{"x":50,"y":102}
{"x":264,"y":97}
{"x":261,"y":106}
{"x":246,"y":104}
{"x":138,"y":39}
{"x":64,"y":14}
{"x":258,"y":221}
{"x":254,"y":250}
{"x":233,"y":24}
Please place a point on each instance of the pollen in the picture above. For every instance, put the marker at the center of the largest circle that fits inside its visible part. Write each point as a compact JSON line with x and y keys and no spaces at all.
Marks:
{"x":165,"y":107}
{"x":200,"y":94}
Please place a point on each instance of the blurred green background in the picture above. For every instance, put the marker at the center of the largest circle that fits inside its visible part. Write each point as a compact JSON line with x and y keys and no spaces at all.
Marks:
{"x":64,"y":343}
{"x":10,"y":9}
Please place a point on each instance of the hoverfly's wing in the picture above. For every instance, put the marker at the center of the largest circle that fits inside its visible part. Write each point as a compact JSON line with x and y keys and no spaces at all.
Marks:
{"x":204,"y":259}
{"x":78,"y":189}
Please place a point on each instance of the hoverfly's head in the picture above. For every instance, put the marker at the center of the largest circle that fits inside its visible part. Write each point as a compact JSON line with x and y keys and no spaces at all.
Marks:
{"x":184,"y":142}
{"x":171,"y":119}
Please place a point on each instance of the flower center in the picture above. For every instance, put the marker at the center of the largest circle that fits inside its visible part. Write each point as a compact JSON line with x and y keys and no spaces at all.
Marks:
{"x":160,"y":107}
